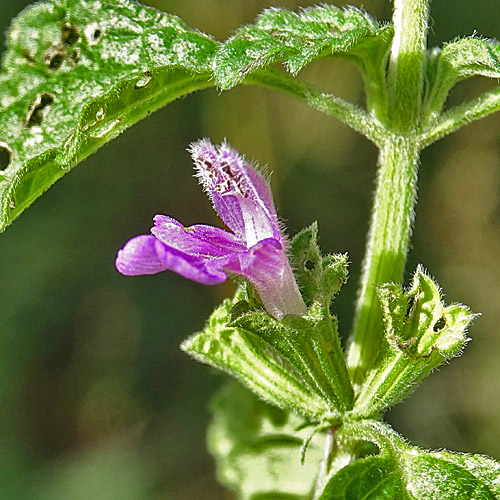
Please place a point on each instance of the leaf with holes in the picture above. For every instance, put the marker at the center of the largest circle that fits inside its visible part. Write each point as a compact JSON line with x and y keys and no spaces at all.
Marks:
{"x":75,"y":75}
{"x":421,"y":333}
{"x":257,"y":448}
{"x":299,"y":38}
{"x":403,"y":471}
{"x":458,"y":61}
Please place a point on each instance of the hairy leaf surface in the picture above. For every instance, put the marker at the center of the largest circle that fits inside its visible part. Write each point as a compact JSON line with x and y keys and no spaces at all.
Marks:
{"x":255,"y":362}
{"x":75,"y":75}
{"x":456,"y":61}
{"x":299,"y":38}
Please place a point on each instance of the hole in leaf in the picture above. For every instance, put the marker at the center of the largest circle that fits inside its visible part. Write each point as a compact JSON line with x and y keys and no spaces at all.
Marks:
{"x":69,"y":35}
{"x":409,"y":306}
{"x":309,"y":265}
{"x":93,"y":33}
{"x":5,"y":156}
{"x":144,"y":80}
{"x":56,"y":61}
{"x":38,"y":109}
{"x":54,"y":57}
{"x":439,"y":324}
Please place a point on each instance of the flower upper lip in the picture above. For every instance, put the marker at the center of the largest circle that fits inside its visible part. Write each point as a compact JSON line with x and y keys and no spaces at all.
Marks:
{"x":254,"y":249}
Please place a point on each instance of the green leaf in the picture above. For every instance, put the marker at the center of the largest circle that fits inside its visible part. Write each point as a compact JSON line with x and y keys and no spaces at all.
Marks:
{"x":299,"y":38}
{"x":319,"y":278}
{"x":404,"y":471}
{"x":480,"y":466}
{"x":254,"y":362}
{"x":257,"y":448}
{"x":78,"y":73}
{"x":311,"y":345}
{"x":421,"y":333}
{"x":469,"y":57}
{"x":368,"y":479}
{"x":459,"y":60}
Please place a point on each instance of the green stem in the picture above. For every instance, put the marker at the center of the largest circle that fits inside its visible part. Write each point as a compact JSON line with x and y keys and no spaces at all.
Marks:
{"x":322,"y":480}
{"x":388,"y":241}
{"x":392,"y":216}
{"x":334,"y":459}
{"x":332,"y":105}
{"x":406,"y":64}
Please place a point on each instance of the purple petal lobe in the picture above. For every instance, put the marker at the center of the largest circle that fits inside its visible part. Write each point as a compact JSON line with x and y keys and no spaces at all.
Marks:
{"x":198,"y":240}
{"x":139,"y":256}
{"x":261,"y":261}
{"x":146,"y":254}
{"x":188,"y":266}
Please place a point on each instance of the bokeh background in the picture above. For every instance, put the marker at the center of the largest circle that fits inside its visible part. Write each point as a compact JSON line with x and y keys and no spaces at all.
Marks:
{"x":97,"y":401}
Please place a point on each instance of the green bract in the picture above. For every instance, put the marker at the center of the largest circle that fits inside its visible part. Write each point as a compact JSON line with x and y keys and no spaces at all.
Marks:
{"x":319,"y":277}
{"x":75,"y":75}
{"x":250,"y":359}
{"x":420,"y":334}
{"x":295,"y":364}
{"x":311,"y":345}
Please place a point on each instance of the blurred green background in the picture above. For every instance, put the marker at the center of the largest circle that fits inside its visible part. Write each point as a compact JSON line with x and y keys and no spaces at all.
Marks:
{"x":97,"y":401}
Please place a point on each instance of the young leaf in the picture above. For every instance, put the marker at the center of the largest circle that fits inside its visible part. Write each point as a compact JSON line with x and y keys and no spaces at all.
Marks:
{"x":319,"y":278}
{"x":404,"y":471}
{"x":75,"y":75}
{"x":420,"y":334}
{"x":457,"y":61}
{"x":254,"y":362}
{"x":299,"y":38}
{"x":257,"y":448}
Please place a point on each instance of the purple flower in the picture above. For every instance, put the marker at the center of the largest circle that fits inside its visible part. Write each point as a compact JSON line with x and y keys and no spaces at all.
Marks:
{"x":255,"y":249}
